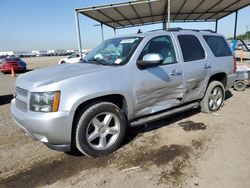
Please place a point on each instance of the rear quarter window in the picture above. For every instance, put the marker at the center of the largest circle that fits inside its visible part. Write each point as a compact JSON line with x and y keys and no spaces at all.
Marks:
{"x":191,"y":48}
{"x":218,"y":45}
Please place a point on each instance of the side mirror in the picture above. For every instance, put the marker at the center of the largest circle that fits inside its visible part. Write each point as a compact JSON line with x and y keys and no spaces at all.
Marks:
{"x":150,"y":60}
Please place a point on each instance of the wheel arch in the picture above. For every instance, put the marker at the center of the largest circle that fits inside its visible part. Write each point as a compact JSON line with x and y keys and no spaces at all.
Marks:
{"x":117,"y":99}
{"x":220,"y":76}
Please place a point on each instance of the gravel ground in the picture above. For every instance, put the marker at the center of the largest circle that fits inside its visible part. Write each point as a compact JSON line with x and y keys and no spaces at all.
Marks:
{"x":191,"y":149}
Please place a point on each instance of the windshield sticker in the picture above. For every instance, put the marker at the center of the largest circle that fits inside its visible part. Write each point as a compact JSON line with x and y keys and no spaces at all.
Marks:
{"x":118,"y":61}
{"x":98,"y":56}
{"x":127,"y":41}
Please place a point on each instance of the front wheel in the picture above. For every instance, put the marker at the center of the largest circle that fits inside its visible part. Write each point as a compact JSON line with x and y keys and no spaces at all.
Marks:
{"x":214,"y":97}
{"x":100,"y":129}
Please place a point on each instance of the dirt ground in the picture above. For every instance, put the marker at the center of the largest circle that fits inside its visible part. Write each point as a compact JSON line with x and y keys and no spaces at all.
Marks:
{"x":191,"y":149}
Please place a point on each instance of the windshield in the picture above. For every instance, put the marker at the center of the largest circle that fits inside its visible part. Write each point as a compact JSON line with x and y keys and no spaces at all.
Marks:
{"x":113,"y":51}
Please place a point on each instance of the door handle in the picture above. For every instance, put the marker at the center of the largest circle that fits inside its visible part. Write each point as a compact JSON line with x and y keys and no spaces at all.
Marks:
{"x":175,"y":73}
{"x":206,"y":66}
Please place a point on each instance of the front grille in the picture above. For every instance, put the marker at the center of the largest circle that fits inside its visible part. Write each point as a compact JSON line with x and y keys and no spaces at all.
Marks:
{"x":21,"y":105}
{"x":21,"y":98}
{"x":22,"y":92}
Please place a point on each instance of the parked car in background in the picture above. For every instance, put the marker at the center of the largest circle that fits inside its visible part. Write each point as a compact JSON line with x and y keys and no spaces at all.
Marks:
{"x":74,"y":58}
{"x":126,"y":81}
{"x":241,"y":46}
{"x":16,"y":64}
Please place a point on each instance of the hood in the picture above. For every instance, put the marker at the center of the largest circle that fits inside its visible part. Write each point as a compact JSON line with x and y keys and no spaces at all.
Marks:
{"x":57,"y":73}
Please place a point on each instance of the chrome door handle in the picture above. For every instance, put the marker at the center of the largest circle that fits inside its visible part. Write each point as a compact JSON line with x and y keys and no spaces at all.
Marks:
{"x":175,"y":73}
{"x":206,"y":66}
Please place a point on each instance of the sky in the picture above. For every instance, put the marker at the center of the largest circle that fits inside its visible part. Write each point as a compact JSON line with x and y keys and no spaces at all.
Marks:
{"x":50,"y":24}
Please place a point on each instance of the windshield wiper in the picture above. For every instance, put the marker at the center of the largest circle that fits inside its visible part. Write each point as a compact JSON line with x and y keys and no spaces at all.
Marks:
{"x":102,"y":62}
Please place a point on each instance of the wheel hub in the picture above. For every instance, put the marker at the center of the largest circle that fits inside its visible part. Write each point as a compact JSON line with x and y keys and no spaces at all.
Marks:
{"x":103,"y":130}
{"x":215,"y":99}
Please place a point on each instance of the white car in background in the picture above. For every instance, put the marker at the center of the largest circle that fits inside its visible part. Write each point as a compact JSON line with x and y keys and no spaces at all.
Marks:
{"x":74,"y":58}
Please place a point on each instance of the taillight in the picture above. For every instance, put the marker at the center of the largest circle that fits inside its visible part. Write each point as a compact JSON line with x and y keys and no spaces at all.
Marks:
{"x":235,"y":65}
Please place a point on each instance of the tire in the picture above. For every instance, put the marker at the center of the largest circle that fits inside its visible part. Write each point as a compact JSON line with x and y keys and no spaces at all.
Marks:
{"x":63,"y":62}
{"x":92,"y":131}
{"x":240,"y":86}
{"x":214,"y":97}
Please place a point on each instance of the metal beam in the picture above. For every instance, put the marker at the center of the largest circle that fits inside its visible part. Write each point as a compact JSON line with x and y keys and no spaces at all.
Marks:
{"x":150,"y":10}
{"x":125,"y":18}
{"x":178,"y":12}
{"x":100,"y":12}
{"x":106,"y":23}
{"x":158,"y":22}
{"x":78,"y":34}
{"x":136,"y":13}
{"x":230,"y":12}
{"x":207,"y":11}
{"x":223,"y":9}
{"x":194,"y":9}
{"x":235,"y":24}
{"x":114,"y":5}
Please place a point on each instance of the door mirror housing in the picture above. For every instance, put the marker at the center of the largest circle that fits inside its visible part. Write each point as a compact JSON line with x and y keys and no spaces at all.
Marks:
{"x":150,"y":60}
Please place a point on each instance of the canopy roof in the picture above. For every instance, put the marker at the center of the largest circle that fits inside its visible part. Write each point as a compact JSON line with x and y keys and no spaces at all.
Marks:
{"x":143,"y":12}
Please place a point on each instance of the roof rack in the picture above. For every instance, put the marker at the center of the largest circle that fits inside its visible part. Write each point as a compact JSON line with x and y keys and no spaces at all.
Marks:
{"x":197,"y":30}
{"x":180,"y":29}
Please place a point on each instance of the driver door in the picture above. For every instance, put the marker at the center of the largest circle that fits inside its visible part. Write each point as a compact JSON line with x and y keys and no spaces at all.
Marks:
{"x":160,"y":87}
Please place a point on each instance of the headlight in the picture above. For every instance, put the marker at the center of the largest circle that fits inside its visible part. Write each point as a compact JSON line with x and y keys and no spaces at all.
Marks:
{"x":45,"y":101}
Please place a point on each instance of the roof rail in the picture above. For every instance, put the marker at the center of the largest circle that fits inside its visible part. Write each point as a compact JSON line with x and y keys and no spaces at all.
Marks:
{"x":174,"y":29}
{"x":180,"y":29}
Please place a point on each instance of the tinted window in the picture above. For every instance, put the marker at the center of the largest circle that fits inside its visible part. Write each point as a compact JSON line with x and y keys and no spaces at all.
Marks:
{"x":191,"y":48}
{"x":218,"y":45}
{"x":162,"y":45}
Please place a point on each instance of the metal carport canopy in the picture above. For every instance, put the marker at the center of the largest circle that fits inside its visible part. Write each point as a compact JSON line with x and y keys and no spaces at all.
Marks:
{"x":144,"y":12}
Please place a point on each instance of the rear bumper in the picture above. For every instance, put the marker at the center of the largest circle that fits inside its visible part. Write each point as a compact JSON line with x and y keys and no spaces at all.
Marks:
{"x":230,"y":81}
{"x":53,"y":129}
{"x":16,"y":69}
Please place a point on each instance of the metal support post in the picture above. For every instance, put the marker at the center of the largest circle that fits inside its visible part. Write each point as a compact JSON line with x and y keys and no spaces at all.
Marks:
{"x":164,"y":24}
{"x":168,"y":23}
{"x":216,"y":26}
{"x":102,"y":32}
{"x":78,"y":34}
{"x":235,"y":24}
{"x":235,"y":31}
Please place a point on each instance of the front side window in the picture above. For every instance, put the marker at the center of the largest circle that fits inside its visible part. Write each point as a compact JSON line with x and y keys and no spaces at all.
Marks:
{"x":218,"y":45}
{"x":191,"y":48}
{"x":162,"y":45}
{"x":113,"y":51}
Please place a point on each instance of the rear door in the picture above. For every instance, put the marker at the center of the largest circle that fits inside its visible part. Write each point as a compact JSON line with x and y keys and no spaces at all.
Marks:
{"x":161,"y":87}
{"x":196,"y":66}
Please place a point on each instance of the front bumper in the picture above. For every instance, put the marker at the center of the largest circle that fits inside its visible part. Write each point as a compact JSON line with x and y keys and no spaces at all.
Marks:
{"x":53,"y":129}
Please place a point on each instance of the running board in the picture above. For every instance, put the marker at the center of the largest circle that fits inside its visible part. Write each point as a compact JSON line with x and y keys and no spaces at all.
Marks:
{"x":158,"y":116}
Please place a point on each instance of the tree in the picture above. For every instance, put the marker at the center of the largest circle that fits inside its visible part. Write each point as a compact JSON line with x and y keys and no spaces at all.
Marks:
{"x":245,"y":36}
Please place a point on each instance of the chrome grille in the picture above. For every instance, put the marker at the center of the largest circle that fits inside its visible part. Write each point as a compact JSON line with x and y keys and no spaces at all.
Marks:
{"x":21,"y":105}
{"x":21,"y":98}
{"x":22,"y":92}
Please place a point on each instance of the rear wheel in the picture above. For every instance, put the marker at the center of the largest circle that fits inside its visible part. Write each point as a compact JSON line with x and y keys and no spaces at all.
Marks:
{"x":63,"y":62}
{"x":214,"y":97}
{"x":100,"y":129}
{"x":240,"y":86}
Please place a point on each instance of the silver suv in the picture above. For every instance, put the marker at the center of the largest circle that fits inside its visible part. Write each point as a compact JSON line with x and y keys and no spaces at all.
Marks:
{"x":125,"y":81}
